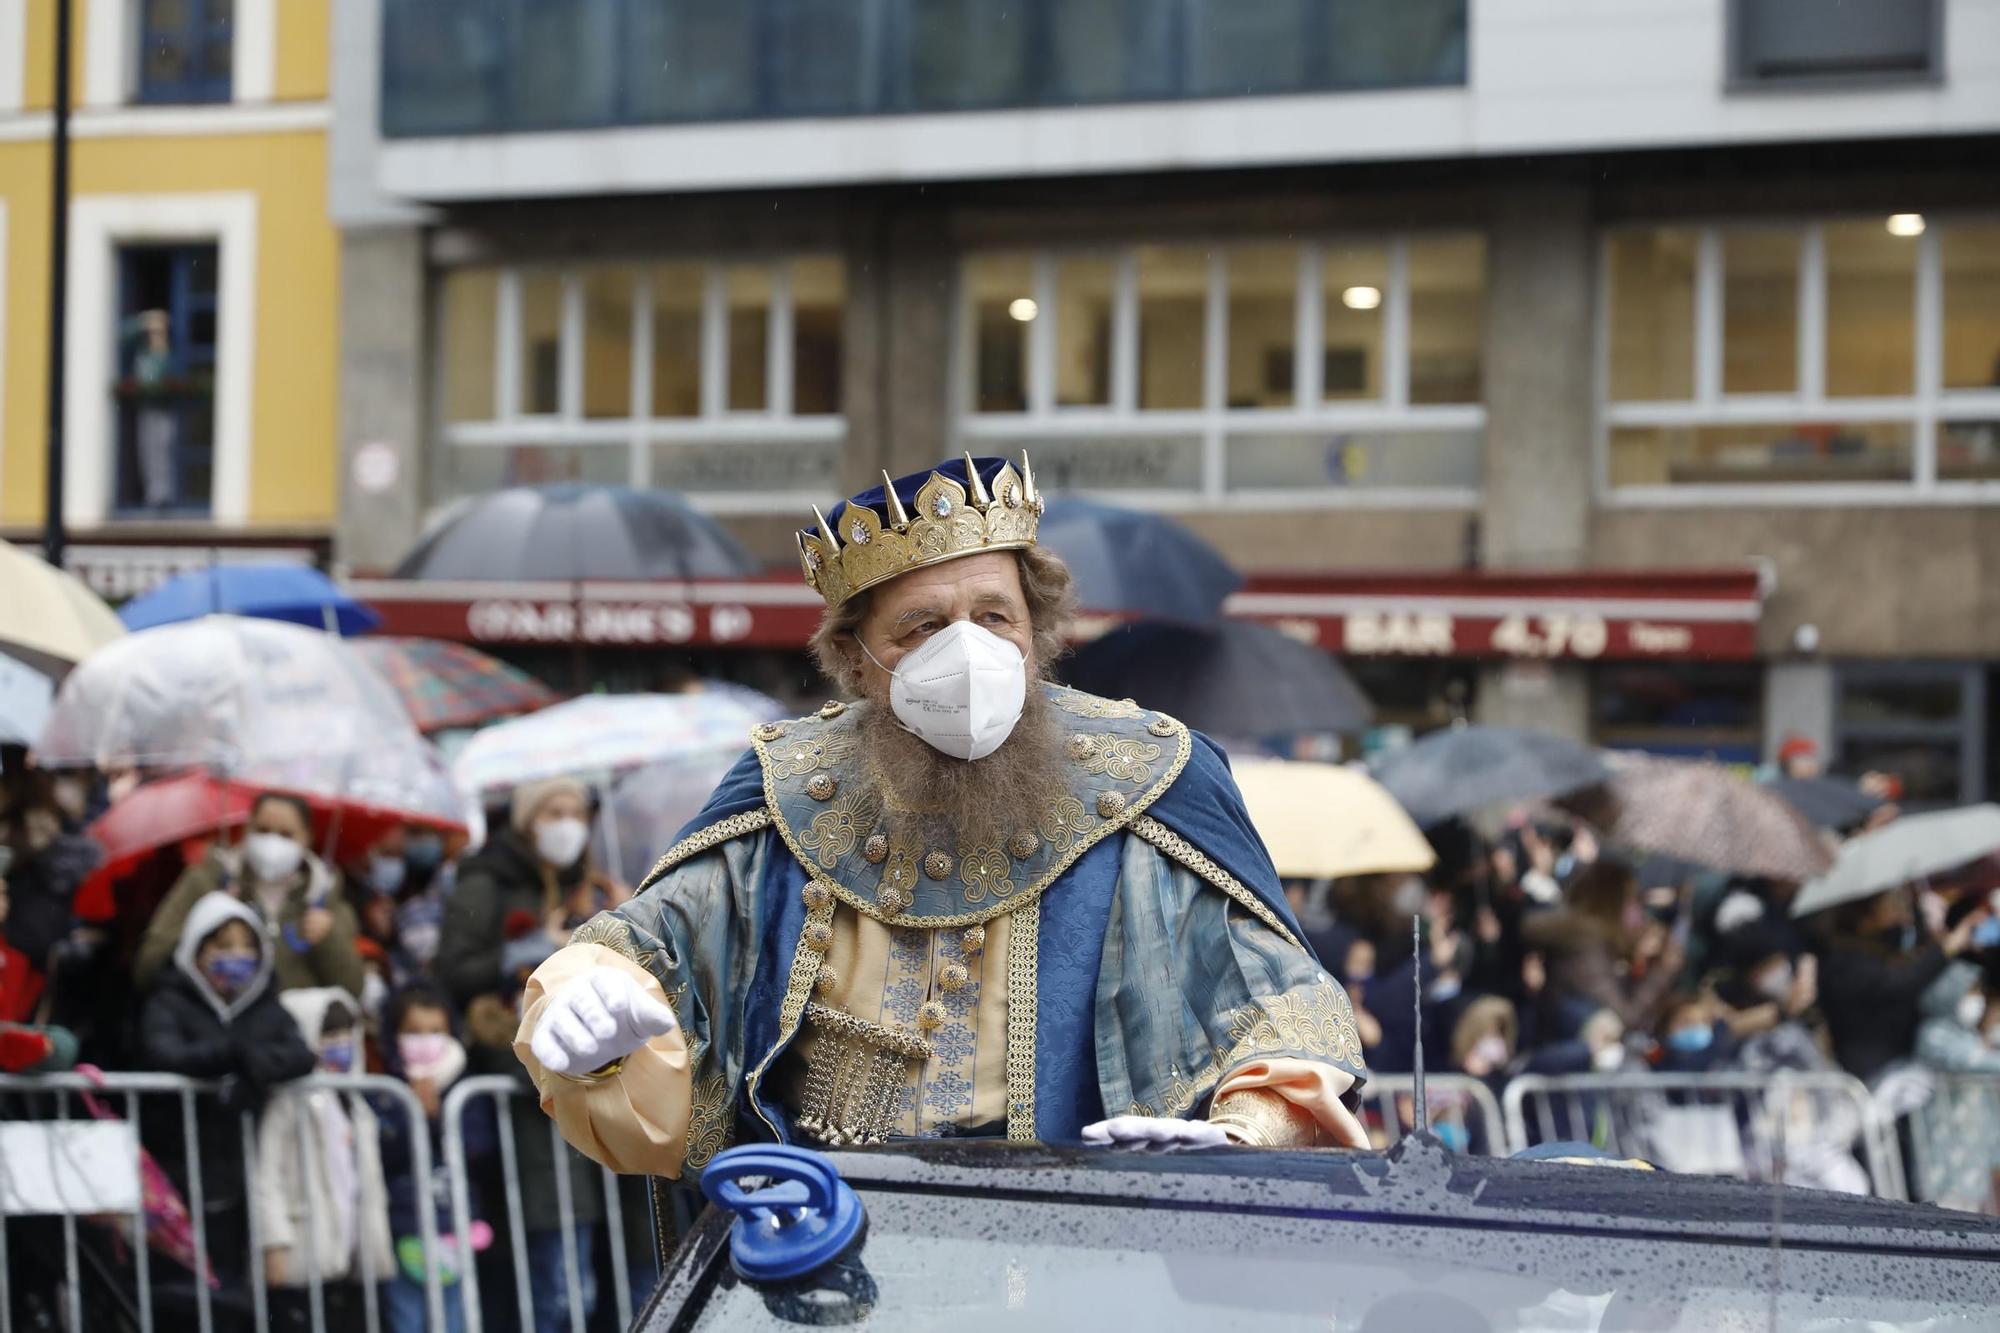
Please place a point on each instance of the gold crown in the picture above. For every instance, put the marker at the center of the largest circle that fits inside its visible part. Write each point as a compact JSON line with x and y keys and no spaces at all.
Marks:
{"x":948,"y":523}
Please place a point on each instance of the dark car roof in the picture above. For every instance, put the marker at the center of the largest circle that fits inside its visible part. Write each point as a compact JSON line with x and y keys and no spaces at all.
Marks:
{"x":1418,"y":1181}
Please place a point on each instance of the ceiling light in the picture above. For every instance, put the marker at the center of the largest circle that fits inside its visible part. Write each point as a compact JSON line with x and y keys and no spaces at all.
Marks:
{"x":1023,"y":308}
{"x":1361,"y":298}
{"x":1906,"y":224}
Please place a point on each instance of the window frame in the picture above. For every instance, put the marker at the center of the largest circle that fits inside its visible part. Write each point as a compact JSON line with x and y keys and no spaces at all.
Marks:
{"x":775,"y":424}
{"x":1213,"y":423}
{"x":1926,"y":408}
{"x":1739,"y":78}
{"x":208,"y":89}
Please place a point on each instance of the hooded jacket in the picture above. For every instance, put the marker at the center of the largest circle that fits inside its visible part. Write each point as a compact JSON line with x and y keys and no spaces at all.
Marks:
{"x":477,"y":1128}
{"x":319,"y":1167}
{"x":1943,"y":1042}
{"x":185,"y":1027}
{"x":334,"y":961}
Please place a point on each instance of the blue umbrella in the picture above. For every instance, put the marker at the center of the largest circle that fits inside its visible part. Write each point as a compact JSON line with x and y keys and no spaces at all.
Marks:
{"x":297,"y":593}
{"x":571,"y":531}
{"x":1133,"y":563}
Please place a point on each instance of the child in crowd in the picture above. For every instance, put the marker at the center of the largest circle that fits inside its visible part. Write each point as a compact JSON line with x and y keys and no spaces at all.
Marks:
{"x":212,"y":1015}
{"x":419,"y":1047}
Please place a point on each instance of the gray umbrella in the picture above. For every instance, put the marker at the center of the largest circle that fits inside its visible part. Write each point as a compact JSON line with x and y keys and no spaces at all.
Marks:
{"x":1914,"y":847}
{"x":573,"y":531}
{"x":1240,"y":680}
{"x":1827,"y":802}
{"x":1135,"y":563}
{"x":1463,"y":769}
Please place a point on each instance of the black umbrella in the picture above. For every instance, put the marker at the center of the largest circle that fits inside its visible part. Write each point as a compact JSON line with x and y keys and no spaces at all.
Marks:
{"x":1137,"y":564}
{"x":1827,"y":802}
{"x":572,"y":531}
{"x":1462,"y":769}
{"x":1239,"y":679}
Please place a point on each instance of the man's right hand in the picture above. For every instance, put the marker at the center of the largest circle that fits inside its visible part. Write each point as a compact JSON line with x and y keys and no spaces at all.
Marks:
{"x":592,"y":1020}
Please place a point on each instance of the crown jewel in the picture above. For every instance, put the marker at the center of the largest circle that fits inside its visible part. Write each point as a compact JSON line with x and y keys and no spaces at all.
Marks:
{"x":951,"y":520}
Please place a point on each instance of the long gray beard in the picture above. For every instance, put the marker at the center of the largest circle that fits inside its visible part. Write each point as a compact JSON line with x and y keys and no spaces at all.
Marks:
{"x":966,"y":802}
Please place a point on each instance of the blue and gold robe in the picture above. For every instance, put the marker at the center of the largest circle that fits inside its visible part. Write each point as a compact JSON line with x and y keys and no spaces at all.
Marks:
{"x":1124,"y":950}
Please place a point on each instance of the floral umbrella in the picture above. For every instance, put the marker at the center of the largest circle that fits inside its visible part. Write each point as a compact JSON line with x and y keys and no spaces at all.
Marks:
{"x":444,"y":684}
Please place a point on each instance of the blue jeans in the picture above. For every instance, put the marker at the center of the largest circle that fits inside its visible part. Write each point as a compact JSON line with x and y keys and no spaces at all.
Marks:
{"x":404,"y":1311}
{"x":549,"y":1279}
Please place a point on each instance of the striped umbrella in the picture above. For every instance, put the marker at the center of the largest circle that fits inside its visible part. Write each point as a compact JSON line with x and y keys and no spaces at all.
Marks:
{"x":444,"y":684}
{"x":1704,"y":813}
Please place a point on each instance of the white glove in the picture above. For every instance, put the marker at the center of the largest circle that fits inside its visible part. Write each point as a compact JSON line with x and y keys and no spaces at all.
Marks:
{"x":601,"y":1016}
{"x":1155,"y":1133}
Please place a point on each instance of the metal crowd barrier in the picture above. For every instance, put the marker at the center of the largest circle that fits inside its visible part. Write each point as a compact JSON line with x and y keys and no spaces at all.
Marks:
{"x":501,"y":1089}
{"x":1953,"y":1142}
{"x":83,"y":1172}
{"x":1802,"y":1128}
{"x":1450,"y":1099}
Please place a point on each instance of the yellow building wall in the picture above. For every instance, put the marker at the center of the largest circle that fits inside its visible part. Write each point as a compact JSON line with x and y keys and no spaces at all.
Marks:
{"x":293,"y":464}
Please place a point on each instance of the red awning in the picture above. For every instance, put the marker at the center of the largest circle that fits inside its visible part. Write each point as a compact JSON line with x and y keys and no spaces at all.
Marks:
{"x":1627,"y":615}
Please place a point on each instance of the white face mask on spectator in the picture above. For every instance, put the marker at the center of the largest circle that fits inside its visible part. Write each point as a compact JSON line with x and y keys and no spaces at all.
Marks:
{"x":272,"y":856}
{"x":1605,"y":1059}
{"x":560,"y":842}
{"x":1971,"y":1008}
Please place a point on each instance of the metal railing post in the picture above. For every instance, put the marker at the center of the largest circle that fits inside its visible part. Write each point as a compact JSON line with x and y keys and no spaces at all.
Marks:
{"x":566,"y":1216}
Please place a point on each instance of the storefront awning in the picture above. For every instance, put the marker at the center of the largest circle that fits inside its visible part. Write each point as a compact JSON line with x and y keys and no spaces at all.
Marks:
{"x":1622,"y":616}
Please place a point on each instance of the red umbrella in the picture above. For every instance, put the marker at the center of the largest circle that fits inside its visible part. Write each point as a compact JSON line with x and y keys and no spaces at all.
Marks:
{"x":200,"y":806}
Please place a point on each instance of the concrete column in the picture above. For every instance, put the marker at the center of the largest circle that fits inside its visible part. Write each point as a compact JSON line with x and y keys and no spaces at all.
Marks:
{"x":1540,"y":296}
{"x":915,"y":383}
{"x":1799,"y":700}
{"x":384,"y":375}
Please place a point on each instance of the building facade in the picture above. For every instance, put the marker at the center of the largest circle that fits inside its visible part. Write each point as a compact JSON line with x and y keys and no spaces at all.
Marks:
{"x":1623,"y":369}
{"x":201,"y":351}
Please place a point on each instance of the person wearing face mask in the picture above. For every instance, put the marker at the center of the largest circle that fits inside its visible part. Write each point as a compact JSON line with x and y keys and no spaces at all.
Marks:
{"x":1589,"y":948}
{"x":513,"y":906}
{"x":1876,"y":962}
{"x":292,"y":892}
{"x":1960,"y":1124}
{"x":322,"y":1203}
{"x":420,"y":1047}
{"x":957,"y":900}
{"x":215,"y":1015}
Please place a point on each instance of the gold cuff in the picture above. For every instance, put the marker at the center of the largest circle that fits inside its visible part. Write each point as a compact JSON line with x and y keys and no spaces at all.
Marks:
{"x":599,"y":1074}
{"x":1258,"y":1118}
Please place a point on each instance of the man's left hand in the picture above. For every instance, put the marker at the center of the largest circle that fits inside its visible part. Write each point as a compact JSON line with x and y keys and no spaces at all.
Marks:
{"x":1154,"y":1133}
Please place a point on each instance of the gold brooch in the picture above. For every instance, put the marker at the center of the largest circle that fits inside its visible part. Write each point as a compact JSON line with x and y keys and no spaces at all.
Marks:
{"x":1161,"y":726}
{"x":832,"y":708}
{"x":938,"y":865}
{"x":1023,"y":845}
{"x":931,"y":1015}
{"x":819,"y":936}
{"x":826,"y":981}
{"x":973,"y":941}
{"x":768,"y":731}
{"x":816,"y":894}
{"x":821,"y":787}
{"x":1111,"y":804}
{"x":954,"y":977}
{"x":1082,"y":747}
{"x":876,"y":849}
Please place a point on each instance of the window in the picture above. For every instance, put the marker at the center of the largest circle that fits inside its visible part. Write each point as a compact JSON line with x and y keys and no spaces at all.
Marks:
{"x":715,"y":378}
{"x":1923,"y":722}
{"x":1856,"y":351}
{"x":185,"y":50}
{"x":1686,"y":710}
{"x":1277,"y":371}
{"x":1809,"y":41}
{"x":165,"y":390}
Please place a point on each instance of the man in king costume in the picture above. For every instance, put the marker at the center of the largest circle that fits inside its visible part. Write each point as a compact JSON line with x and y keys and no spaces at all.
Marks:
{"x":971,"y":902}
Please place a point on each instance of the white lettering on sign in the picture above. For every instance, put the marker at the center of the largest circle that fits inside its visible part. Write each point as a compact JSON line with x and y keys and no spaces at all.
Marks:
{"x":1557,"y":635}
{"x":1661,"y":638}
{"x":1404,"y":633}
{"x":727,"y":624}
{"x":637,"y":623}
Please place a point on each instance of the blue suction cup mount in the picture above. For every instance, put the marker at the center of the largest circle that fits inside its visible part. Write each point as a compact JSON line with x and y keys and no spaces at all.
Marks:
{"x":802,"y":1220}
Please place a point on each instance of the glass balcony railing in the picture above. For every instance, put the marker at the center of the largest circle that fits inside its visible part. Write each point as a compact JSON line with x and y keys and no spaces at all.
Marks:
{"x":500,"y":66}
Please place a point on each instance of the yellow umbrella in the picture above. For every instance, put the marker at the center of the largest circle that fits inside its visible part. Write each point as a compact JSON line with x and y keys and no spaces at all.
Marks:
{"x":48,"y":618}
{"x":1321,"y":821}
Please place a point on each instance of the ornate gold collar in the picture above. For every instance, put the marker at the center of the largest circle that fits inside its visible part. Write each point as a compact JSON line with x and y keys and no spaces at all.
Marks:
{"x":832,"y":816}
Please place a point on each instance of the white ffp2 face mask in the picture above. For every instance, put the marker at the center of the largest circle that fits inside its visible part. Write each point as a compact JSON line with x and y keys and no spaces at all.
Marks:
{"x":561,"y":841}
{"x":962,"y":692}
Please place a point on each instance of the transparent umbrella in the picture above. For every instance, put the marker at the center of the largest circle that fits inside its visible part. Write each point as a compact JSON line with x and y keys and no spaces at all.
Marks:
{"x":648,"y":806}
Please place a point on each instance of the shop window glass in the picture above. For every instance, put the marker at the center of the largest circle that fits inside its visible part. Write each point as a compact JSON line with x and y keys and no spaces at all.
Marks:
{"x":748,"y":293}
{"x":819,"y":294}
{"x":1652,"y":314}
{"x":1085,"y":291}
{"x":1001,"y":289}
{"x":1447,"y":318}
{"x":1686,"y":709}
{"x":1871,"y":290}
{"x":1810,"y":452}
{"x":1760,"y":311}
{"x":607,"y":343}
{"x":1968,"y":450}
{"x":1173,"y":296}
{"x":469,"y":322}
{"x":1263,"y":328}
{"x":677,"y":297}
{"x":1354,"y":287}
{"x":540,"y":368}
{"x":1971,"y":256}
